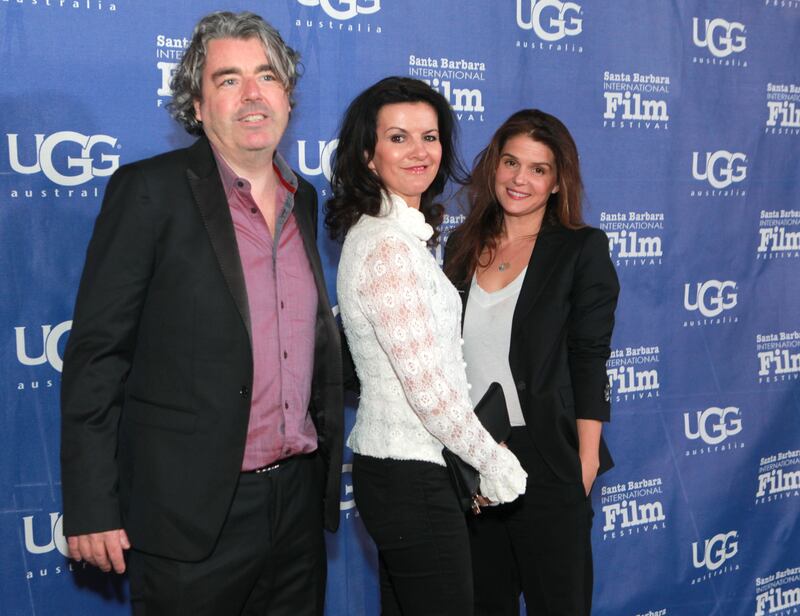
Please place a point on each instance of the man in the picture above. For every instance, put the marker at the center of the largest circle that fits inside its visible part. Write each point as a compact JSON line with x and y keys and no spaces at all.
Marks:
{"x":201,"y":397}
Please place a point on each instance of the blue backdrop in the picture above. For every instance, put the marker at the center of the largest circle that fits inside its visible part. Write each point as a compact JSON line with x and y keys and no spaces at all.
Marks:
{"x":687,"y":117}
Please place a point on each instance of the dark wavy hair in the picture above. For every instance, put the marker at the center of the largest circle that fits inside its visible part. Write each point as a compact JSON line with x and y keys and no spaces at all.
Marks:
{"x":483,"y":225}
{"x":186,"y":83}
{"x":356,"y":189}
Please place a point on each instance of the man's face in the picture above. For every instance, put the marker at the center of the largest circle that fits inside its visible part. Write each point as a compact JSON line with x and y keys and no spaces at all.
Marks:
{"x":244,"y":108}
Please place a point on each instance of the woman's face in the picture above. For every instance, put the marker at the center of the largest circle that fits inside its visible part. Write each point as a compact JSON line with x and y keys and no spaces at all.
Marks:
{"x":525,"y":178}
{"x":407,"y":149}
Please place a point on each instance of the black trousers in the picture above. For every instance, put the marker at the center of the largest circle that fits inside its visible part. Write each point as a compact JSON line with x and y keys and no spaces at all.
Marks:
{"x":269,"y":558}
{"x":538,"y":545}
{"x":411,"y":511}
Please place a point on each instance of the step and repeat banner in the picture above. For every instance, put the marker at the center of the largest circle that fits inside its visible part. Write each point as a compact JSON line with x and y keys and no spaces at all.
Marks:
{"x":687,"y":117}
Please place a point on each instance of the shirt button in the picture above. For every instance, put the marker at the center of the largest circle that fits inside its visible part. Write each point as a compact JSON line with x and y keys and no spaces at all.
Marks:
{"x":286,"y":405}
{"x":461,"y":341}
{"x":244,"y":391}
{"x":469,"y":386}
{"x":254,"y":210}
{"x":240,"y":184}
{"x":281,"y":304}
{"x":463,"y":363}
{"x":285,"y":355}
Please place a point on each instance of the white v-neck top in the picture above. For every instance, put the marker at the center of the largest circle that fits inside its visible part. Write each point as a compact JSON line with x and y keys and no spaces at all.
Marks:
{"x":487,"y":339}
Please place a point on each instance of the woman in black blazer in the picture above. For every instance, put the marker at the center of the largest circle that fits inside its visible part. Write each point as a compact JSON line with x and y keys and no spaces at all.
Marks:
{"x":539,"y":293}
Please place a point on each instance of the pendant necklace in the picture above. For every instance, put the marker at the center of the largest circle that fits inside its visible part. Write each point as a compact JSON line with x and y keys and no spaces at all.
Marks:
{"x":506,"y":264}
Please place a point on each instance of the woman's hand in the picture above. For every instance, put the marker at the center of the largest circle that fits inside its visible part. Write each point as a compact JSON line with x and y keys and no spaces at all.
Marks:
{"x":589,"y":431}
{"x":589,"y":468}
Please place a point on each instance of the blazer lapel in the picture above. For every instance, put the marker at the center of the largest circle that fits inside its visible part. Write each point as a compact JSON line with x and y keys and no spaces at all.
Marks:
{"x":210,"y":197}
{"x":545,"y":256}
{"x":309,"y":234}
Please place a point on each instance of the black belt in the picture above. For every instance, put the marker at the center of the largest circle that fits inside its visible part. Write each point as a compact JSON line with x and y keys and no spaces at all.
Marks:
{"x":276,"y":465}
{"x":266,"y":469}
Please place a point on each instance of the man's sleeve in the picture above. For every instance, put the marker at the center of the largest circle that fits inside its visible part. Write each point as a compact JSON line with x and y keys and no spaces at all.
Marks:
{"x":119,"y":263}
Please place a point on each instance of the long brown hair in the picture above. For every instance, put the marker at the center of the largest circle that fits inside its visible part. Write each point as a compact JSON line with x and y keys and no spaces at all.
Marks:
{"x":483,"y":225}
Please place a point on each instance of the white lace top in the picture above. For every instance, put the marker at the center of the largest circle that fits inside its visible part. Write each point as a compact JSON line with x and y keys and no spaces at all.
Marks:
{"x":402,"y":319}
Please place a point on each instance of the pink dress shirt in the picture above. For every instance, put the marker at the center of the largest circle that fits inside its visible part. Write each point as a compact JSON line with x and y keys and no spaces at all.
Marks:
{"x":282,"y":298}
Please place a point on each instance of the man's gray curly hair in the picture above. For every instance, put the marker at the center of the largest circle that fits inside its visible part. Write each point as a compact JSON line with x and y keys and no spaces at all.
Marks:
{"x":186,"y":83}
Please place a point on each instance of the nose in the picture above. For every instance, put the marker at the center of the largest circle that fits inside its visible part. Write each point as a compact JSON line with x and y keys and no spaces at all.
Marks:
{"x":519,"y":176}
{"x":418,"y":149}
{"x":250,"y":89}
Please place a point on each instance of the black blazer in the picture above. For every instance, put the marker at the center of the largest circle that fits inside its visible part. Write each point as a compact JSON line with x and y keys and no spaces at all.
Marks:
{"x":560,"y":341}
{"x":158,"y":367}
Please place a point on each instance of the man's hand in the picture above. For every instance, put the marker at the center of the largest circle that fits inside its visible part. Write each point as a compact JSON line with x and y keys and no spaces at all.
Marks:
{"x":103,"y":550}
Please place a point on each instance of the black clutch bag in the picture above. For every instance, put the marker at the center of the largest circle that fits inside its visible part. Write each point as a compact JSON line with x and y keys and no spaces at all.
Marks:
{"x":493,"y":414}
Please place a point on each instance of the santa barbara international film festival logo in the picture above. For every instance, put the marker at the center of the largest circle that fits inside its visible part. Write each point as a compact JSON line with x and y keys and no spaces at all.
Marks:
{"x":169,"y":51}
{"x":778,"y":477}
{"x":708,"y":302}
{"x":722,"y":40}
{"x":713,"y":556}
{"x":632,"y":508}
{"x":783,"y":109}
{"x":555,"y":25}
{"x":778,"y":234}
{"x":778,"y":592}
{"x":349,"y":16}
{"x":634,"y":238}
{"x":633,"y":373}
{"x":456,"y":79}
{"x":40,"y":346}
{"x":778,"y":357}
{"x":720,"y":172}
{"x":635,"y":101}
{"x":67,"y":159}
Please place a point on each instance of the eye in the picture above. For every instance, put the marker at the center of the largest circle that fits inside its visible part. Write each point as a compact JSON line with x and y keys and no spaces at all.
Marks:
{"x":431,"y":138}
{"x":228,"y":81}
{"x":397,"y":138}
{"x":268,"y":77}
{"x":510,"y":163}
{"x":539,"y":170}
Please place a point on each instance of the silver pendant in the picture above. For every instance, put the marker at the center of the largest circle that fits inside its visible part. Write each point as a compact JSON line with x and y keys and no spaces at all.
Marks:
{"x":504,"y":266}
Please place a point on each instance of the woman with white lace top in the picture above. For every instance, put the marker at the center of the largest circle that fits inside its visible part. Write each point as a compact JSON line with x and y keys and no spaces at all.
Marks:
{"x":402,"y":320}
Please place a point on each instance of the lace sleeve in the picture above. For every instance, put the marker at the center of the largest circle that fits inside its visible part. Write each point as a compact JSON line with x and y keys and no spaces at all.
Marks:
{"x":397,"y":305}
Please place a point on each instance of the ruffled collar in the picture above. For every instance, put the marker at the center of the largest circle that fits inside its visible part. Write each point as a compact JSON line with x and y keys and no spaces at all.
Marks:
{"x":410,"y":219}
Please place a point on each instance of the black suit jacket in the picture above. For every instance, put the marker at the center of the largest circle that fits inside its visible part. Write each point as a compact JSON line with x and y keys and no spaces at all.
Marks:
{"x":158,"y":367}
{"x":560,"y":341}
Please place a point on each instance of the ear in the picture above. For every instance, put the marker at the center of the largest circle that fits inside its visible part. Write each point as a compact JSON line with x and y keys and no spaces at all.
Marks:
{"x":197,"y":114}
{"x":555,"y":189}
{"x":370,"y":163}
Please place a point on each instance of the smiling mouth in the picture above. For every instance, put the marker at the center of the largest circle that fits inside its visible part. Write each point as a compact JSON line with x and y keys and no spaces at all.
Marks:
{"x":253,"y":117}
{"x":417,"y":170}
{"x":516,"y":195}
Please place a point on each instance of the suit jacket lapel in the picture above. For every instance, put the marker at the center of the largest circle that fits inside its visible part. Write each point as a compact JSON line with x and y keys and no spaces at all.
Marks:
{"x":210,"y":197}
{"x":305,"y":224}
{"x":545,"y":256}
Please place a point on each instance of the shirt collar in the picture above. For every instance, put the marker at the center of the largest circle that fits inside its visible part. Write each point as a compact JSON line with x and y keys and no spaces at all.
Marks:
{"x":232,"y":182}
{"x":410,"y":219}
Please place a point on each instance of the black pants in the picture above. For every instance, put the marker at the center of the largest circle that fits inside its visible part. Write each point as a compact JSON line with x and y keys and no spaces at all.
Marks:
{"x":269,"y":558}
{"x":539,"y":545}
{"x":411,"y":511}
